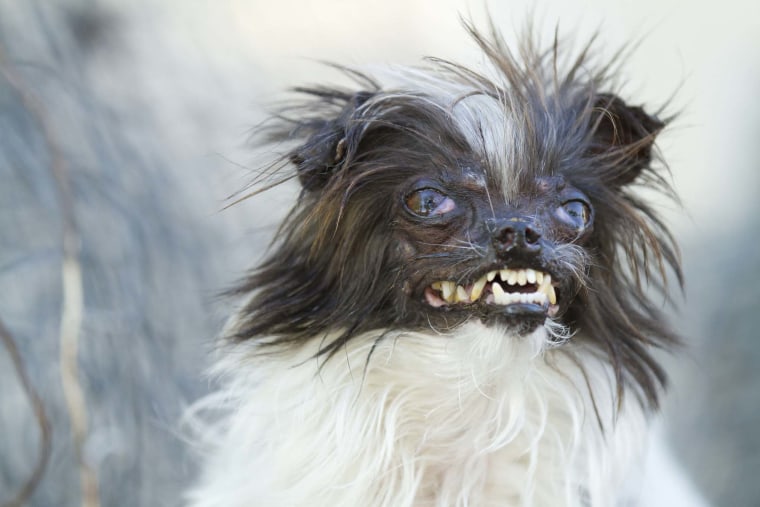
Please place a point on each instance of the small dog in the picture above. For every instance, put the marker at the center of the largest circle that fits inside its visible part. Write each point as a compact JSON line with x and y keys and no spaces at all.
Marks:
{"x":455,"y":311}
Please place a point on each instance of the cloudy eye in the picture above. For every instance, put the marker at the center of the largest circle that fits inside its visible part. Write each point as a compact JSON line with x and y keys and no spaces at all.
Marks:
{"x":575,"y":212}
{"x":428,"y":202}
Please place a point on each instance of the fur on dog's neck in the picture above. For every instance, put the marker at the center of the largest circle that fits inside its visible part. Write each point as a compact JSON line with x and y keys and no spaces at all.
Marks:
{"x":478,"y":416}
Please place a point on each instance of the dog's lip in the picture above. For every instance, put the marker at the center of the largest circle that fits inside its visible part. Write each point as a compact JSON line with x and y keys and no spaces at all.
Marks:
{"x":514,"y":291}
{"x":514,"y":310}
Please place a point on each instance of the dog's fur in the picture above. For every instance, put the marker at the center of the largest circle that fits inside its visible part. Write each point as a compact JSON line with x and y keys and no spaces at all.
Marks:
{"x":350,"y":378}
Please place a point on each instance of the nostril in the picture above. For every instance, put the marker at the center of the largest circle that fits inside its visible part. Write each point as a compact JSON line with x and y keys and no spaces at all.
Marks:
{"x":532,"y":236}
{"x":516,"y":235}
{"x":506,"y":236}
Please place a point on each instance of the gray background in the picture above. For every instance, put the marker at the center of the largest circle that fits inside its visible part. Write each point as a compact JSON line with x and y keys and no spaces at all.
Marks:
{"x":150,"y":103}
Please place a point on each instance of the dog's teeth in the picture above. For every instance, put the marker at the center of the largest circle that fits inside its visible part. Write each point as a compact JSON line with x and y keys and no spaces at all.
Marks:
{"x":453,"y":293}
{"x":499,"y":296}
{"x":546,"y":288}
{"x":477,"y":288}
{"x":448,"y":289}
{"x":461,"y":295}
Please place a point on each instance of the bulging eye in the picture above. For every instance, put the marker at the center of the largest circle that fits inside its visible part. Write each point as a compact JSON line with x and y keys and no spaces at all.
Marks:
{"x":575,"y":212}
{"x":428,"y":202}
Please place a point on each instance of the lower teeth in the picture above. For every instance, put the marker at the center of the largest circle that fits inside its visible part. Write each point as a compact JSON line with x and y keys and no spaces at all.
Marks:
{"x":507,"y":298}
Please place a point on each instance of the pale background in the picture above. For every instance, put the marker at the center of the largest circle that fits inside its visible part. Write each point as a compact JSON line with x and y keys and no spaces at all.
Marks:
{"x":154,"y":100}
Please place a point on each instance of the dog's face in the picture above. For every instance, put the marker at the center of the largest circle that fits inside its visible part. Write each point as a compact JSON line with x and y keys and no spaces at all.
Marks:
{"x":454,"y":197}
{"x":469,"y":253}
{"x":464,"y":251}
{"x":422,"y":211}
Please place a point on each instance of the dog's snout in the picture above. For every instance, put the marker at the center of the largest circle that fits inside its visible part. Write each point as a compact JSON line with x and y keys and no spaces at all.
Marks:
{"x":513,"y":235}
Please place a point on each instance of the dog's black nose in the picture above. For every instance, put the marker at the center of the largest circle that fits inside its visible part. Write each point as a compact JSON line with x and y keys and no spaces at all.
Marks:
{"x":515,"y":235}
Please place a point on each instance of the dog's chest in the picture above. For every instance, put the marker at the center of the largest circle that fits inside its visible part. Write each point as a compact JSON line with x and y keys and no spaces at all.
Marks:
{"x":478,"y":418}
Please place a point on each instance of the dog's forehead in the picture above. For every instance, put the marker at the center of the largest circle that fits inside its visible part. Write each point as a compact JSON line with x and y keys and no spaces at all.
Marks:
{"x":474,"y":177}
{"x":517,"y":135}
{"x":495,"y":138}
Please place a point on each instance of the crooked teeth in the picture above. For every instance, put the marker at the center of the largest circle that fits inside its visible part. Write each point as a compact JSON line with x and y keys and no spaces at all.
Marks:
{"x":477,"y":288}
{"x":447,"y":290}
{"x":517,"y":276}
{"x":551,"y":295}
{"x":548,"y":289}
{"x":506,"y":298}
{"x":499,"y":296}
{"x":451,"y":292}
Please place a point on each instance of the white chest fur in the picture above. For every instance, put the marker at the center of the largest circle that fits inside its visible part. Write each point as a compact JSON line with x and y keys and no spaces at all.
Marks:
{"x":475,"y":418}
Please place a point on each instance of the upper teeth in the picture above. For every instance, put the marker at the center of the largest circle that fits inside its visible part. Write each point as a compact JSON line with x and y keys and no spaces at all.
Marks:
{"x":453,"y":293}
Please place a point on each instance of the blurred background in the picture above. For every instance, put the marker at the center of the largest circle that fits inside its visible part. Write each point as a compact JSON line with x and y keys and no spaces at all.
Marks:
{"x":123,"y":129}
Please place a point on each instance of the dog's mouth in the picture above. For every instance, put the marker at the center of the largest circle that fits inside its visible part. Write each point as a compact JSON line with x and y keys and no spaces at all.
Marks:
{"x":514,"y":291}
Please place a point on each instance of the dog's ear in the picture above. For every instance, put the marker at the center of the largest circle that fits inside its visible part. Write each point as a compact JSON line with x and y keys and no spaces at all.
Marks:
{"x":623,"y":136}
{"x":327,"y":145}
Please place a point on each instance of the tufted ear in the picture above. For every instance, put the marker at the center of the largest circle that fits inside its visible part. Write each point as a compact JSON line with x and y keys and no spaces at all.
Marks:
{"x":326,"y":146}
{"x":623,"y":136}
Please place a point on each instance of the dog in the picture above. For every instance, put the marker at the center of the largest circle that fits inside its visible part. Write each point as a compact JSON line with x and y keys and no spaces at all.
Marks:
{"x":458,"y":309}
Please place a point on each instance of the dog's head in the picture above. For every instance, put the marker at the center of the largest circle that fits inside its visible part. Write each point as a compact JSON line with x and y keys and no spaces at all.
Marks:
{"x":450,"y":196}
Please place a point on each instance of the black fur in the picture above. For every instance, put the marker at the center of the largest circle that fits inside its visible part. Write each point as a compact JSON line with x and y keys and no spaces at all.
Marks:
{"x":352,"y":258}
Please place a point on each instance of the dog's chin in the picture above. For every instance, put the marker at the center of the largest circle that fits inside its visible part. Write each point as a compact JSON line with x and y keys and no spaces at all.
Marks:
{"x":521,"y":318}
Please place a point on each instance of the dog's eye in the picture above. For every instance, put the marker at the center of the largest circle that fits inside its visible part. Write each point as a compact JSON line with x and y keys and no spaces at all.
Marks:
{"x":575,"y":212}
{"x":428,"y":202}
